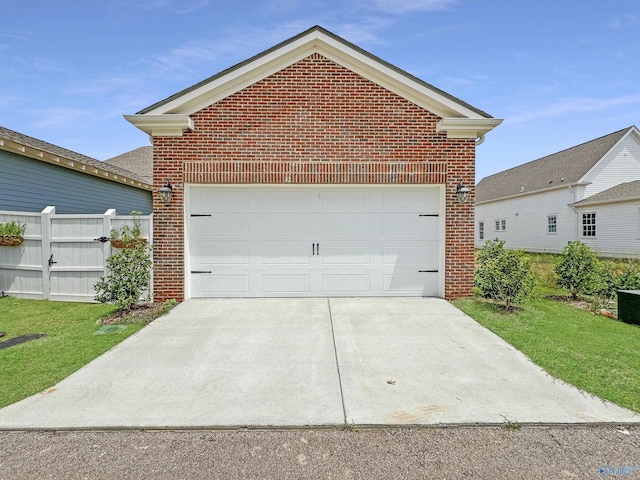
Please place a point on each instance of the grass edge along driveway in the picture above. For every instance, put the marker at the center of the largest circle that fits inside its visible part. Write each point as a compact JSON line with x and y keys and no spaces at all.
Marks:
{"x":596,"y":354}
{"x":70,"y":343}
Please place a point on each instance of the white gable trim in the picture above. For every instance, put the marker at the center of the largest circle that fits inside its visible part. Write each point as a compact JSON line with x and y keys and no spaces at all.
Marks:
{"x":633,"y":131}
{"x":315,"y":41}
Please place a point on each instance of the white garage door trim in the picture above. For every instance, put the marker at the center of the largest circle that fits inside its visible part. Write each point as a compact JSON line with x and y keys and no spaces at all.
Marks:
{"x":337,"y":270}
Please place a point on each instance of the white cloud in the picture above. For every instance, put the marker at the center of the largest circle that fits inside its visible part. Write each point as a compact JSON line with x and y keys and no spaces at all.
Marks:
{"x":569,"y":106}
{"x":173,"y":6}
{"x":61,"y":117}
{"x":628,"y":20}
{"x":409,"y":6}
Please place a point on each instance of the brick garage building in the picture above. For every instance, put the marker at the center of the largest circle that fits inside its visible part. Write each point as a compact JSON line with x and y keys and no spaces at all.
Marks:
{"x":313,"y":169}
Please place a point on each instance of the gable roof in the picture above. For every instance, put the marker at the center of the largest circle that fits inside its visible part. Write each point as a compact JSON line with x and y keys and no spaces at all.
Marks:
{"x":622,"y":192}
{"x":138,"y":161}
{"x":566,"y":167}
{"x":30,"y":147}
{"x":171,"y":115}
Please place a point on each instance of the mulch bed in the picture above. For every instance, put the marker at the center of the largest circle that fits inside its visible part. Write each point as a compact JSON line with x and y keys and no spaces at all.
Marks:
{"x":611,"y":312}
{"x":141,"y":314}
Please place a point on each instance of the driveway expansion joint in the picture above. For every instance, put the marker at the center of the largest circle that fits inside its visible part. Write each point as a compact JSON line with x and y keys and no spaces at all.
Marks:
{"x":335,"y":352}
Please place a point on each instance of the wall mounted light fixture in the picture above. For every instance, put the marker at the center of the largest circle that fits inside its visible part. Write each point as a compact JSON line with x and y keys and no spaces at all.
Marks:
{"x":166,"y":192}
{"x":462,"y":193}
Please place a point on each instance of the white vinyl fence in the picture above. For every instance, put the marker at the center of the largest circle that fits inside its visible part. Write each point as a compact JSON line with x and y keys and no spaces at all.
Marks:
{"x":62,"y":256}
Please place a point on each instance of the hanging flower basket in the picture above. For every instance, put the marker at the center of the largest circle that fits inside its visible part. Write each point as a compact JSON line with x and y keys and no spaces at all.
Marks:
{"x":11,"y":241}
{"x":120,"y":243}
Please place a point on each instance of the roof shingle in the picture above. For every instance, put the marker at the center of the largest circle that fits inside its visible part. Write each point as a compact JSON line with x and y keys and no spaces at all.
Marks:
{"x":623,"y":191}
{"x":138,"y":161}
{"x":561,"y":168}
{"x":28,"y":141}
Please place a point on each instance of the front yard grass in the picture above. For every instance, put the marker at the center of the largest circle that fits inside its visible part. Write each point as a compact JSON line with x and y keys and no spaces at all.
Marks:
{"x":70,"y":343}
{"x":594,"y":353}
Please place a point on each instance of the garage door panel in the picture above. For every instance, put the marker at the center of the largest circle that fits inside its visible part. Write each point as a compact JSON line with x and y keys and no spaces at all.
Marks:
{"x":229,"y":284}
{"x":286,"y":225}
{"x":224,"y":227}
{"x":422,"y":201}
{"x":415,"y":255}
{"x":284,"y":283}
{"x":285,"y":201}
{"x":346,"y":255}
{"x":346,"y":283}
{"x":346,"y":201}
{"x":346,"y":225}
{"x":417,"y":283}
{"x":222,"y":200}
{"x":224,"y":255}
{"x":404,"y":226}
{"x":286,"y":255}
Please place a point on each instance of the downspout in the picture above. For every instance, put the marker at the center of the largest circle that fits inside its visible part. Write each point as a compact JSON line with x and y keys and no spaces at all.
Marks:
{"x":479,"y":140}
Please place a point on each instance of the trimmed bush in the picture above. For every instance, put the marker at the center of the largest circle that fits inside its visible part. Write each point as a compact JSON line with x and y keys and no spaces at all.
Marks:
{"x":129,"y":276}
{"x":578,"y":269}
{"x":503,"y":275}
{"x":614,"y":277}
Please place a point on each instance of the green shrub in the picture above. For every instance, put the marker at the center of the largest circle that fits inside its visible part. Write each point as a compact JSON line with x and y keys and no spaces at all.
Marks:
{"x":503,"y":275}
{"x":12,"y":229}
{"x":129,"y":276}
{"x":578,"y":269}
{"x":614,"y":277}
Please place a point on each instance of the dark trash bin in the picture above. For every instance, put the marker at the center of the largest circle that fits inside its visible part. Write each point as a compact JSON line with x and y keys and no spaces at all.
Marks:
{"x":629,"y":306}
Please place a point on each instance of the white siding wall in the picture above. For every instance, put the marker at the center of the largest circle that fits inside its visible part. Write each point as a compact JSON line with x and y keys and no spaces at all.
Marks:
{"x":620,"y":165}
{"x":526,"y":221}
{"x":617,"y":229}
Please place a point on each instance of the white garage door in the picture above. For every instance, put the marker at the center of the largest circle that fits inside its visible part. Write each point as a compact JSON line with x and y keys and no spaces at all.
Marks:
{"x":257,"y":241}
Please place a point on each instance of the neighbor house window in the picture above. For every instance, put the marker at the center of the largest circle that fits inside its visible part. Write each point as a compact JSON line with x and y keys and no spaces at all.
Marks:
{"x":501,"y":225}
{"x":481,"y":230}
{"x":552,"y":224}
{"x":589,"y":224}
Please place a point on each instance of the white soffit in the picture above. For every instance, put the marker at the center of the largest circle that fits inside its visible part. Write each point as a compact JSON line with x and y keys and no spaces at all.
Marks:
{"x":315,"y":41}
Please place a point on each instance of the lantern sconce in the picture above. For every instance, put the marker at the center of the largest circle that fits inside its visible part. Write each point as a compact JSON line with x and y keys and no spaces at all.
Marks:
{"x":166,"y":192}
{"x":462,"y":192}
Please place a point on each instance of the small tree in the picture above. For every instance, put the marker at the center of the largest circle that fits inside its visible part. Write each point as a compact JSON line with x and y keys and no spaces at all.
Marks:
{"x":503,"y":275}
{"x":577,"y":269}
{"x":129,"y":276}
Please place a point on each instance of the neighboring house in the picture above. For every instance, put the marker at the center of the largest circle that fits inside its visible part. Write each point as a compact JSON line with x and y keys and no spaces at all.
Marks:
{"x":313,"y":169}
{"x":589,"y":193}
{"x":138,"y":161}
{"x":35,"y":174}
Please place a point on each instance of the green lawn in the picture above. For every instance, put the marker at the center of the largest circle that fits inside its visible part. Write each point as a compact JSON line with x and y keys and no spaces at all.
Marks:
{"x":594,"y":353}
{"x":70,"y":343}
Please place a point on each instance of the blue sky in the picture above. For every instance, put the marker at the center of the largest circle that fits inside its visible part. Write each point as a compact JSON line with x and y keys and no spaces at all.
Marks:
{"x":559,"y":72}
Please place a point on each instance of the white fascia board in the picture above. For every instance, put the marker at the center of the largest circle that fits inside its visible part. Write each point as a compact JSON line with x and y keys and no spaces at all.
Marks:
{"x":467,"y":127}
{"x":166,"y":125}
{"x":633,"y":199}
{"x":532,"y":192}
{"x":317,"y":42}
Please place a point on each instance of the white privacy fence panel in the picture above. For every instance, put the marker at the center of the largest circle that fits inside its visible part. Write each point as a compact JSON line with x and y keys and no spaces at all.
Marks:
{"x":62,"y":256}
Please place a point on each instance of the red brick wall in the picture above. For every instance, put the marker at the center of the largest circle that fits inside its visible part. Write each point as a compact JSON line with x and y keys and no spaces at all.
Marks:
{"x":310,"y":116}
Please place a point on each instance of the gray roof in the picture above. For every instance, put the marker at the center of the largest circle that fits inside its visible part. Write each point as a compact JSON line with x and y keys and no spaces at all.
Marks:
{"x":293,"y":39}
{"x":139,"y":161}
{"x":562,"y":168}
{"x":52,"y":149}
{"x":621,"y":192}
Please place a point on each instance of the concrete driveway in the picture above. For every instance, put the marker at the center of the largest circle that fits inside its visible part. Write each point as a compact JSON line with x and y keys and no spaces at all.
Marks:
{"x":297,"y":362}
